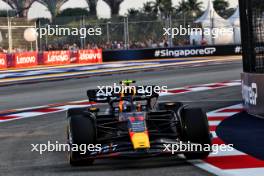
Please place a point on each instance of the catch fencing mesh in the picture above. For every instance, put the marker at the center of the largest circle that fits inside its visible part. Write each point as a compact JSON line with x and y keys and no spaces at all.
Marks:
{"x":252,"y":26}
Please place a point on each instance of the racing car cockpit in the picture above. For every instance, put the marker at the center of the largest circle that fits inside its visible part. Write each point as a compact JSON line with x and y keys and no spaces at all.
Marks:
{"x":129,"y":99}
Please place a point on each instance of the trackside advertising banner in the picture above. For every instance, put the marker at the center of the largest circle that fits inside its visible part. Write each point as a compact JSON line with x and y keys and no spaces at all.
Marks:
{"x":90,"y":56}
{"x":25,"y":59}
{"x":252,"y":93}
{"x":176,"y":52}
{"x":56,"y":58}
{"x":3,"y":61}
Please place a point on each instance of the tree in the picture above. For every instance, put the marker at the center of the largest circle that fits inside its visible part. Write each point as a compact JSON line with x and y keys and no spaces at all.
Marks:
{"x":229,"y":12}
{"x":73,"y":12}
{"x":164,"y":6}
{"x":182,"y":7}
{"x":158,"y":7}
{"x":140,"y":14}
{"x":150,"y":8}
{"x":191,"y":8}
{"x":133,"y":12}
{"x":92,"y":6}
{"x":221,"y":7}
{"x":53,"y":6}
{"x":20,"y":6}
{"x":114,"y":6}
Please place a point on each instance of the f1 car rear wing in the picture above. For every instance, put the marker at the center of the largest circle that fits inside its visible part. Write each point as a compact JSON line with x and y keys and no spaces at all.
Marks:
{"x":106,"y":95}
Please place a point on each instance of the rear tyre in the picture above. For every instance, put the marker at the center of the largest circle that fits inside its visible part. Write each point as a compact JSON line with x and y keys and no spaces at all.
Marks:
{"x":81,"y":130}
{"x":196,"y":130}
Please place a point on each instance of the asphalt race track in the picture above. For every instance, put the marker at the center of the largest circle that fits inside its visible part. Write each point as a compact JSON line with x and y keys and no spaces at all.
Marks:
{"x":17,"y":136}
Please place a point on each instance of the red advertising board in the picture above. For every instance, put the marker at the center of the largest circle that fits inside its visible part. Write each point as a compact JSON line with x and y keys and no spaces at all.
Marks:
{"x":3,"y":61}
{"x":25,"y":59}
{"x":56,"y":57}
{"x":90,"y":56}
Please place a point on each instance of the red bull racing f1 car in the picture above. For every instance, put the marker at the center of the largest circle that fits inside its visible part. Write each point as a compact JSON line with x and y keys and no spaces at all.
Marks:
{"x":135,"y":126}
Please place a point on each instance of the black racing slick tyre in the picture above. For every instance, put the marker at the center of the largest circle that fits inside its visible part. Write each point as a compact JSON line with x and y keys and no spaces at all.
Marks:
{"x":80,"y":131}
{"x":196,"y":130}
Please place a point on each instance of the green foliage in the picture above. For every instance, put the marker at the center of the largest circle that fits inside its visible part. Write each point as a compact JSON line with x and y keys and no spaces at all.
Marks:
{"x":221,"y":7}
{"x":229,"y":12}
{"x":10,"y":13}
{"x":190,"y":8}
{"x":73,"y":12}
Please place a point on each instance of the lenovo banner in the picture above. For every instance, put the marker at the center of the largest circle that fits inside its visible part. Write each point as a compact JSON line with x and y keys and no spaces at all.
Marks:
{"x":26,"y":59}
{"x":3,"y":61}
{"x":252,"y":93}
{"x":90,"y":56}
{"x":56,"y":58}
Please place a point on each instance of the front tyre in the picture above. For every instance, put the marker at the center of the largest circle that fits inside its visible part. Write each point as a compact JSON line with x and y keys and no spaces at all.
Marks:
{"x":196,"y":130}
{"x":80,"y":131}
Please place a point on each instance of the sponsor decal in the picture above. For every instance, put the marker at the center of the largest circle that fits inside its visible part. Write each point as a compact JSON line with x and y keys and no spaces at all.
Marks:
{"x":26,"y":59}
{"x":105,"y":149}
{"x":90,"y":56}
{"x":250,"y":93}
{"x":185,"y":52}
{"x":238,"y":49}
{"x":56,"y":57}
{"x":253,"y":96}
{"x":3,"y":61}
